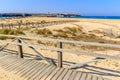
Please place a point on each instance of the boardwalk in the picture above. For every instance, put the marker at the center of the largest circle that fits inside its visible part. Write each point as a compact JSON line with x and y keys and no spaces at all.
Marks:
{"x":26,"y":69}
{"x":20,"y":68}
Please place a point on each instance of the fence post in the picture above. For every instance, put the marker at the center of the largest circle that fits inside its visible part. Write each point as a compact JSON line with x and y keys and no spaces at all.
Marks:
{"x":59,"y":45}
{"x":20,"y":50}
{"x":19,"y":26}
{"x":2,"y":26}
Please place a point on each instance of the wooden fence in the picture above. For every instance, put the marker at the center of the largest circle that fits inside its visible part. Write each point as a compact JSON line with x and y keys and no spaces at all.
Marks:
{"x":27,"y":25}
{"x":59,"y":49}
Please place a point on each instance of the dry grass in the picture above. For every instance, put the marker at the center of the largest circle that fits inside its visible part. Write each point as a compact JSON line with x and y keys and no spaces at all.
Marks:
{"x":10,"y":32}
{"x":43,"y":32}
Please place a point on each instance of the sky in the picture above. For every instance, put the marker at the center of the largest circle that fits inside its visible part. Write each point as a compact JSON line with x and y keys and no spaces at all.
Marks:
{"x":82,"y":7}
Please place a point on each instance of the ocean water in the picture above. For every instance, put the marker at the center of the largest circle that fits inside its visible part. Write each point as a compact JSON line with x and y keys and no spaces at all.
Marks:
{"x":91,"y":17}
{"x":98,"y":17}
{"x":2,"y":17}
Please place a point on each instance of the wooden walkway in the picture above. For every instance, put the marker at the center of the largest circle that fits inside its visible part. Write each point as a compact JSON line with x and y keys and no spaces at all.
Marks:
{"x":27,"y":69}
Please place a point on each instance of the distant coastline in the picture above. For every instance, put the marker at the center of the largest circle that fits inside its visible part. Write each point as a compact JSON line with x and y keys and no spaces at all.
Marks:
{"x":11,"y":15}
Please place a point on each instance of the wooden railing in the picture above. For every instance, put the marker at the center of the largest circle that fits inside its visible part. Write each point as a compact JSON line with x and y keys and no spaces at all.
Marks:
{"x":33,"y":24}
{"x":59,"y":49}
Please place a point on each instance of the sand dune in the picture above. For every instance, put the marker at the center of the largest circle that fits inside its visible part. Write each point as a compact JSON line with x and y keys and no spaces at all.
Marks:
{"x":106,"y":67}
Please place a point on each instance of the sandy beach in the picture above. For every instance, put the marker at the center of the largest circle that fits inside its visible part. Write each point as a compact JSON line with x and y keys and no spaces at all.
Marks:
{"x":102,"y":28}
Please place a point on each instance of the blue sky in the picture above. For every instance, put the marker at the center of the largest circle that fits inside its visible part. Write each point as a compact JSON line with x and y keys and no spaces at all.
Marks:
{"x":83,"y":7}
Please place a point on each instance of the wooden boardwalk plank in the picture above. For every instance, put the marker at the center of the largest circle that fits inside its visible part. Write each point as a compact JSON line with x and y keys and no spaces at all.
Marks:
{"x":33,"y":70}
{"x":6,"y":59}
{"x":27,"y":68}
{"x":23,"y":74}
{"x":57,"y":74}
{"x":44,"y":72}
{"x":84,"y":76}
{"x":8,"y":64}
{"x":100,"y":78}
{"x":63,"y":74}
{"x":19,"y":65}
{"x":67,"y":76}
{"x":22,"y":67}
{"x":48,"y":73}
{"x":38,"y":68}
{"x":89,"y":77}
{"x":14,"y":65}
{"x":5,"y":62}
{"x":52,"y":74}
{"x":39,"y":72}
{"x":78,"y":76}
{"x":94,"y":77}
{"x":73,"y":75}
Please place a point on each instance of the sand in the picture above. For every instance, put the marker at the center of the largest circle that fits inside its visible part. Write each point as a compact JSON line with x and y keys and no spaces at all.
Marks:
{"x":106,"y":68}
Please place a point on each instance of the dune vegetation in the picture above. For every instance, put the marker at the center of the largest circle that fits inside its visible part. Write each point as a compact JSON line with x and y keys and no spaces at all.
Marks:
{"x":10,"y":32}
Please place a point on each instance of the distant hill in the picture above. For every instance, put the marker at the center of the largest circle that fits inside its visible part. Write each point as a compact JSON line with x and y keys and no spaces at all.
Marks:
{"x":36,"y":14}
{"x":14,"y":15}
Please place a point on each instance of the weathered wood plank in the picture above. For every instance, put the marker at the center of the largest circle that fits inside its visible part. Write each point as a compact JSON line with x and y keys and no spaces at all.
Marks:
{"x":78,"y":75}
{"x":89,"y":77}
{"x":63,"y":74}
{"x":58,"y":74}
{"x":7,"y":63}
{"x":84,"y":76}
{"x":38,"y":68}
{"x":14,"y":65}
{"x":94,"y":77}
{"x":52,"y":74}
{"x":48,"y":73}
{"x":73,"y":75}
{"x":23,"y":74}
{"x":100,"y":78}
{"x":22,"y":67}
{"x":67,"y":76}
{"x":33,"y":70}
{"x":44,"y":72}
{"x":27,"y":68}
{"x":39,"y":72}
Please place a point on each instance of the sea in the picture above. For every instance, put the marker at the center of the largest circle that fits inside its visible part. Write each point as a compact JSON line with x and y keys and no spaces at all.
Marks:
{"x":5,"y":17}
{"x":97,"y":17}
{"x":90,"y":17}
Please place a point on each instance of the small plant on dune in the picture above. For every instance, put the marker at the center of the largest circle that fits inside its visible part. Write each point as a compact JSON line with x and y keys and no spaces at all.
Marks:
{"x":18,"y":32}
{"x":10,"y":32}
{"x":44,"y":32}
{"x":116,"y":64}
{"x":59,"y":30}
{"x":68,"y":32}
{"x":96,"y":63}
{"x":43,"y":21}
{"x":73,"y":30}
{"x":60,"y":35}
